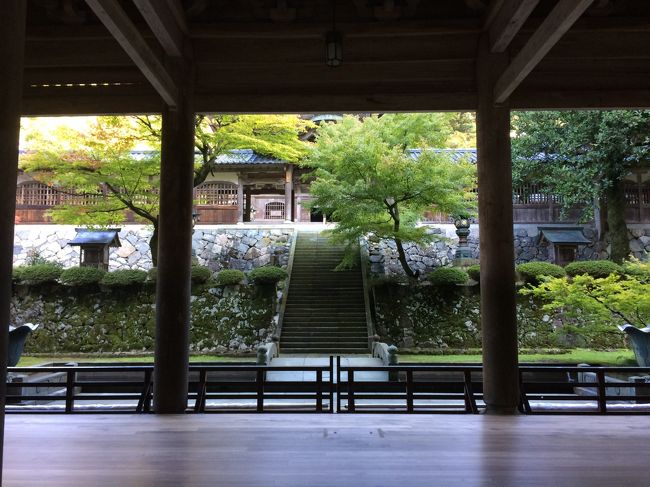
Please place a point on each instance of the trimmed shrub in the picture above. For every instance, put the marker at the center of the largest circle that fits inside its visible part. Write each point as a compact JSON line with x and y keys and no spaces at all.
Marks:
{"x":152,"y":274}
{"x":531,"y":272}
{"x":593,"y":268}
{"x":267,"y":275}
{"x":81,"y":276}
{"x":474,"y":272}
{"x":637,"y":269}
{"x":200,"y":274}
{"x":124,"y":278}
{"x":447,"y":276}
{"x":17,"y":273}
{"x":38,"y":273}
{"x":230,"y":277}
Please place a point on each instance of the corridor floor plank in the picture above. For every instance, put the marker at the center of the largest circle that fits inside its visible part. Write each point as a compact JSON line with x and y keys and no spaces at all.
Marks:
{"x":324,"y":450}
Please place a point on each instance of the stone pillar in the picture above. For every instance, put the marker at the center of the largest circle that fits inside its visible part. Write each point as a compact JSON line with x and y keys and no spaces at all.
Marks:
{"x":12,"y":48}
{"x":174,"y":259}
{"x":240,"y":200}
{"x":498,"y":312}
{"x":288,"y":192}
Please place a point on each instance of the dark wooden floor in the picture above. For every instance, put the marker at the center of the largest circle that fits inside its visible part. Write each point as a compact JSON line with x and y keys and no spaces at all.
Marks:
{"x":325,"y":450}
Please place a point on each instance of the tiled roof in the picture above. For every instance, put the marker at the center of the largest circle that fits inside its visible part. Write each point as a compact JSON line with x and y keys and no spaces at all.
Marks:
{"x":86,"y":236}
{"x":246,"y":156}
{"x":455,"y":154}
{"x":562,"y":235}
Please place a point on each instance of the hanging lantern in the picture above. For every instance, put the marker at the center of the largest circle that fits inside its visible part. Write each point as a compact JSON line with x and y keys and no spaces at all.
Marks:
{"x":333,"y":48}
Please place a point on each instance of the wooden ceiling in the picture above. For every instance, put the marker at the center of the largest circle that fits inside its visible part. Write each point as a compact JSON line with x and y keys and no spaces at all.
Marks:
{"x":268,"y":55}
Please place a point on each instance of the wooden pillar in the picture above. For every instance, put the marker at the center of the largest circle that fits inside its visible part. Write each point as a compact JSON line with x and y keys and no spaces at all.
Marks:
{"x":498,"y":312}
{"x":247,"y":199}
{"x":240,"y":200}
{"x":288,"y":192}
{"x":12,"y":46}
{"x":174,"y":259}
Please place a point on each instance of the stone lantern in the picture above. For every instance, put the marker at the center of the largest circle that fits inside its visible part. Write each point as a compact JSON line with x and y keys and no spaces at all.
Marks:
{"x":463,"y":252}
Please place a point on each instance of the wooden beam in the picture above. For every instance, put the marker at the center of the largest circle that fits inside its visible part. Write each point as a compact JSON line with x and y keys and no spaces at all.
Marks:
{"x":561,"y":18}
{"x":173,"y":285}
{"x":128,"y":36}
{"x":164,"y":25}
{"x":508,"y":22}
{"x":12,"y":44}
{"x":498,"y":294}
{"x":493,"y":10}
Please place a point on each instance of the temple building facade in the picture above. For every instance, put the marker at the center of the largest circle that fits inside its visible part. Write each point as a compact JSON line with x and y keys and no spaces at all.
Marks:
{"x":253,"y":188}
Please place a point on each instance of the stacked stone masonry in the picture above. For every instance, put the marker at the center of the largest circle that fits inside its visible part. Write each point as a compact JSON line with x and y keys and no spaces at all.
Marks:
{"x":245,"y":248}
{"x":215,"y":247}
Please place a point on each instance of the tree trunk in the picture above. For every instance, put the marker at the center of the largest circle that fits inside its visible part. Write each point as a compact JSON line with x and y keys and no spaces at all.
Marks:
{"x":402,"y":259}
{"x":394,"y":213}
{"x":153,"y":245}
{"x":620,"y":249}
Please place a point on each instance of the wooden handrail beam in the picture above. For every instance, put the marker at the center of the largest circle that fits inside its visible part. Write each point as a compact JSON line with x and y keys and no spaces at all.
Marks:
{"x":560,"y":20}
{"x":111,"y":14}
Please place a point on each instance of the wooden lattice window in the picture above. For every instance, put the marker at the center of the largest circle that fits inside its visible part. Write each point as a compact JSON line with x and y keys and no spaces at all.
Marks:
{"x":632,"y":194}
{"x":216,"y":194}
{"x":529,"y":194}
{"x":36,"y":194}
{"x":645,"y":194}
{"x":274,"y":211}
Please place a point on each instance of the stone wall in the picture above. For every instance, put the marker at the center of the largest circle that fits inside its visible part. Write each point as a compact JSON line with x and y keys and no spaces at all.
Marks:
{"x":242,"y":248}
{"x":384,"y":259}
{"x":231,"y":319}
{"x":246,"y":247}
{"x":217,"y":247}
{"x":383,"y":255}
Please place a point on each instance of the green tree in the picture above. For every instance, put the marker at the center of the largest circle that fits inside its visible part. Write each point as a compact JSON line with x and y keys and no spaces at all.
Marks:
{"x":615,"y":299}
{"x":101,"y":176}
{"x":583,"y":156}
{"x":370,"y":183}
{"x":272,"y":135}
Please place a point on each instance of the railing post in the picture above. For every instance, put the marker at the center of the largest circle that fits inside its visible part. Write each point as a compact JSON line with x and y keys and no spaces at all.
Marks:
{"x":338,"y":383}
{"x":351,"y":406}
{"x":199,"y":406}
{"x":602,"y":392}
{"x":144,"y":404}
{"x":319,"y":391}
{"x":69,"y":391}
{"x":470,"y":402}
{"x":524,"y":406}
{"x":260,"y":390}
{"x":331,"y":384}
{"x":409,"y":391}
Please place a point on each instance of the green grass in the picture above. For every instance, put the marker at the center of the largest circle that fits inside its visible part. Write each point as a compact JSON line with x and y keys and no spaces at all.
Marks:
{"x":31,"y":361}
{"x":622,"y":357}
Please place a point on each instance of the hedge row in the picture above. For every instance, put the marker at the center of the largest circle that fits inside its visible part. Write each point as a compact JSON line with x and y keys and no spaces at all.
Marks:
{"x":49,"y":273}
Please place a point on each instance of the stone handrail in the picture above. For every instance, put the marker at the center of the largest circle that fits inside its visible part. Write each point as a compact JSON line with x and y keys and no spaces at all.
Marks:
{"x":266,"y":353}
{"x":287,"y":283}
{"x":363,"y":249}
{"x":387,"y":353}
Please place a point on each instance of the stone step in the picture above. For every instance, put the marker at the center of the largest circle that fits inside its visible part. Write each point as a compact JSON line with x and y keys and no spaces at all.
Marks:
{"x":332,"y":351}
{"x":322,"y":339}
{"x":302,"y":332}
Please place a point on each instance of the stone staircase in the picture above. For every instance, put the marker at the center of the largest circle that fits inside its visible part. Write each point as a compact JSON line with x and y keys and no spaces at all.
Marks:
{"x":325,"y":310}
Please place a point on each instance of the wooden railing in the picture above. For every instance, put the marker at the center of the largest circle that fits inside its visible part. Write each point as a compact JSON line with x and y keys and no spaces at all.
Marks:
{"x":417,"y":389}
{"x":545,"y":389}
{"x":402,"y":388}
{"x":236,"y":386}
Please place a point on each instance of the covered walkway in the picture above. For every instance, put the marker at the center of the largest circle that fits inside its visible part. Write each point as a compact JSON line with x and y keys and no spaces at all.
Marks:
{"x":325,"y":450}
